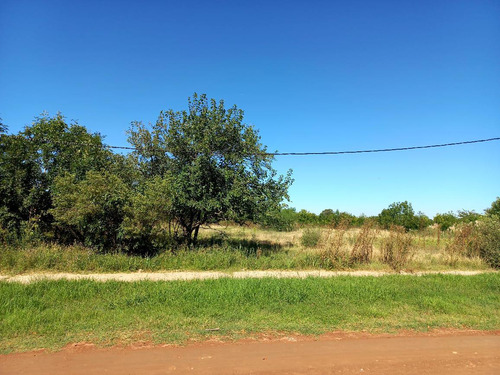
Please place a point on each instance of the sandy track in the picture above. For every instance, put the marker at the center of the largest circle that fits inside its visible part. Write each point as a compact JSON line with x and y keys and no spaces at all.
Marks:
{"x":455,"y":354}
{"x":203,"y":275}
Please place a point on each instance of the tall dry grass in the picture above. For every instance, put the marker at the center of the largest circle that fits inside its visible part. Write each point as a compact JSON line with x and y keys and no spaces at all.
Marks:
{"x":362,"y":251}
{"x":398,"y":248}
{"x":342,"y":248}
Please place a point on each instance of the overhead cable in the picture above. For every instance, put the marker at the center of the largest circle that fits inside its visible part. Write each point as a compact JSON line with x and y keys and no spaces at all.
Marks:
{"x":353,"y":151}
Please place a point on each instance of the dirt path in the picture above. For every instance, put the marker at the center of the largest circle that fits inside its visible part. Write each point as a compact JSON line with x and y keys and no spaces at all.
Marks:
{"x":202,"y":275}
{"x":450,"y":354}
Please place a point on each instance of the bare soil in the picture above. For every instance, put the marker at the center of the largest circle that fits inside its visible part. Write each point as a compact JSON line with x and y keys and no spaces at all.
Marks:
{"x":336,"y":353}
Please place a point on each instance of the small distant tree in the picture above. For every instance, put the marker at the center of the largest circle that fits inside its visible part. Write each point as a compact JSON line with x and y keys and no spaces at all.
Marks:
{"x":217,"y":165}
{"x":283,"y":220}
{"x":327,"y":216}
{"x":423,"y":221}
{"x":446,"y":220}
{"x":305,"y":217}
{"x":399,"y":214}
{"x":466,"y":216}
{"x":494,"y":209}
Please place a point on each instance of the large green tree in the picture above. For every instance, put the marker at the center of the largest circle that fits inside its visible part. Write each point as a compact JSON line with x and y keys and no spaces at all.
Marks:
{"x":218,"y":168}
{"x":400,"y":214}
{"x":31,"y":161}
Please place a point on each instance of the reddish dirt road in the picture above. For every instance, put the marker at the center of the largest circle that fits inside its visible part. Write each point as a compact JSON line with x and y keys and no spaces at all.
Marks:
{"x":449,"y":354}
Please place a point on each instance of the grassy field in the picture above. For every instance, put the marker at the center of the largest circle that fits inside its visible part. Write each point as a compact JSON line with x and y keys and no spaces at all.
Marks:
{"x":236,"y":248}
{"x":51,"y":314}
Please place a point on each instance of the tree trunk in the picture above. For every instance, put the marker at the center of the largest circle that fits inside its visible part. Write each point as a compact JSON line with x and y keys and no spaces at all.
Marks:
{"x":195,"y":236}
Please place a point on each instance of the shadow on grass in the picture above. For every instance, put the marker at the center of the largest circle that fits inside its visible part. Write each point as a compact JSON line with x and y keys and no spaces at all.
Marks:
{"x":247,"y":247}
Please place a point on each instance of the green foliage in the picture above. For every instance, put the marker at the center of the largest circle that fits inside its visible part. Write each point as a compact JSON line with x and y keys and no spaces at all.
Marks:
{"x":149,"y":223}
{"x":494,"y":209}
{"x":23,"y":192}
{"x":91,"y":210}
{"x":305,"y":217}
{"x":445,"y":221}
{"x":422,"y":220}
{"x":282,"y":220}
{"x":488,"y":240}
{"x":310,"y":237}
{"x":61,"y":148}
{"x":219,"y":168}
{"x":399,"y":214}
{"x":465,"y":216}
{"x":330,"y":217}
{"x":32,"y":160}
{"x":3,"y":127}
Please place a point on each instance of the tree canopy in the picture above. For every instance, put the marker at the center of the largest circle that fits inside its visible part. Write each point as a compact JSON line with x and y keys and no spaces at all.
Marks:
{"x":218,"y":168}
{"x":400,"y":214}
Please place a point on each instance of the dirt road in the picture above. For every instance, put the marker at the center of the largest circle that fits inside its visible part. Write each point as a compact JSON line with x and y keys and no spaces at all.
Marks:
{"x":333,"y":354}
{"x":203,"y":275}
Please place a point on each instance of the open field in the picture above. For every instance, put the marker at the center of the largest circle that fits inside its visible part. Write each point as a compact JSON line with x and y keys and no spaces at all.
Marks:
{"x":236,"y":248}
{"x":52,"y":314}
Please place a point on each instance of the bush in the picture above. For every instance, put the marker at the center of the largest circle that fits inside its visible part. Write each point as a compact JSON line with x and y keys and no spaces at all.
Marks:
{"x":334,"y":248}
{"x":90,"y":211}
{"x":397,"y":249}
{"x":488,"y":240}
{"x":310,"y":237}
{"x":464,"y":242}
{"x":445,"y":221}
{"x":283,"y":220}
{"x":363,"y":247}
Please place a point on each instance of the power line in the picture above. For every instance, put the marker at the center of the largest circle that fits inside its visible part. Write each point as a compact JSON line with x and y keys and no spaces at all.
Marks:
{"x":382,"y":149}
{"x":131,"y":148}
{"x":351,"y":151}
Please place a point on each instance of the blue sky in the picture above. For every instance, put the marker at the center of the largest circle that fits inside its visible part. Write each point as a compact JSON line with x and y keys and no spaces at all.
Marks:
{"x":310,"y":75}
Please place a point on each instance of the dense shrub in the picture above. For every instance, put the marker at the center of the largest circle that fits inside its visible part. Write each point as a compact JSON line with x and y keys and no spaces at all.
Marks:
{"x":310,"y":237}
{"x":92,"y":209}
{"x":283,"y":220}
{"x":397,"y":248}
{"x":488,"y":240}
{"x":464,"y":241}
{"x":445,"y":221}
{"x":362,"y":249}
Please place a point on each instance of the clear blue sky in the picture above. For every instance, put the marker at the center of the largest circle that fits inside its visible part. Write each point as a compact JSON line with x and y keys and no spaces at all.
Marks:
{"x":310,"y":75}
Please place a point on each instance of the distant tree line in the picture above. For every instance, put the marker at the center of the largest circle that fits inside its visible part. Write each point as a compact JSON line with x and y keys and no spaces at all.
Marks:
{"x":396,"y":214}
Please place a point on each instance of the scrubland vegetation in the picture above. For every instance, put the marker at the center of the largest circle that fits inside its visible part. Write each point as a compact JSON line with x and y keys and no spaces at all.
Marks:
{"x":198,"y":192}
{"x":176,"y":201}
{"x":232,"y":247}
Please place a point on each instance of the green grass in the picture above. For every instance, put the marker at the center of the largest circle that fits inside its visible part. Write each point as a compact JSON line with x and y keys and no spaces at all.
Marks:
{"x":56,"y":258}
{"x":51,"y":314}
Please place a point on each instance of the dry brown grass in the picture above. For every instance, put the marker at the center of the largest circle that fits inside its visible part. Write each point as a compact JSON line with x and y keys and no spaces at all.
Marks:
{"x":367,"y":247}
{"x":398,"y":248}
